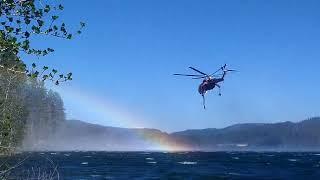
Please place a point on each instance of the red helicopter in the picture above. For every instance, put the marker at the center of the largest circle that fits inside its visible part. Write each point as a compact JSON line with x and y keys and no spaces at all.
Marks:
{"x":209,"y":81}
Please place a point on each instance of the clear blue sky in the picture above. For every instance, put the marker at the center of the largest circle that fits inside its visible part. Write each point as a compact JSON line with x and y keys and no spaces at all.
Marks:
{"x":129,"y":50}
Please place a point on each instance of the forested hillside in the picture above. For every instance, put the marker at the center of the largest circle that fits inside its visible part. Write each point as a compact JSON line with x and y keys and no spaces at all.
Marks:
{"x":283,"y":136}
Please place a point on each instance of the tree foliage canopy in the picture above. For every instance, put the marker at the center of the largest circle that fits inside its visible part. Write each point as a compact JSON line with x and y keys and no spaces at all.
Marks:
{"x":21,"y":23}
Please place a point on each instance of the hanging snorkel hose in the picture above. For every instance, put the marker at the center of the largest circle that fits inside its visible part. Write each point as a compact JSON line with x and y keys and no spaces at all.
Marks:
{"x":204,"y":101}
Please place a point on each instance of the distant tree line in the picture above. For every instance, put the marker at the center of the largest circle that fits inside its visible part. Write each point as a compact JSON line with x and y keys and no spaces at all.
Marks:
{"x":45,"y":113}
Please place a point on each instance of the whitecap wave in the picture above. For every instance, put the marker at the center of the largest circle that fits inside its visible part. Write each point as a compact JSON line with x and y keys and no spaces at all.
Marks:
{"x":152,"y":162}
{"x":293,"y":160}
{"x":187,"y":162}
{"x":270,"y":155}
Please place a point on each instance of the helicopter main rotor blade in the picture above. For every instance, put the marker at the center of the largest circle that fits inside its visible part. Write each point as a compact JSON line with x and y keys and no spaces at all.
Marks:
{"x":230,"y":70}
{"x":214,"y":76}
{"x":192,"y":75}
{"x":199,"y":77}
{"x":220,"y":69}
{"x":198,"y":71}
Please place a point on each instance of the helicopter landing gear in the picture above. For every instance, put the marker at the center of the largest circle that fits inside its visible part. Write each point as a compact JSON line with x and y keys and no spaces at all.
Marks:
{"x":219,"y":89}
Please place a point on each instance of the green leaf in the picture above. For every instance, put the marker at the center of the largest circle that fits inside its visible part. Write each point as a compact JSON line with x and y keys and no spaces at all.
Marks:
{"x":18,"y":30}
{"x":69,"y":74}
{"x":34,"y":75}
{"x":36,"y":29}
{"x":44,"y":52}
{"x":27,"y":34}
{"x":44,"y":77}
{"x":55,"y":17}
{"x":9,"y":29}
{"x":47,"y":8}
{"x":61,"y":7}
{"x":14,"y":39}
{"x":25,"y":45}
{"x":27,"y":20}
{"x":63,"y":29}
{"x":40,"y":22}
{"x":69,"y":36}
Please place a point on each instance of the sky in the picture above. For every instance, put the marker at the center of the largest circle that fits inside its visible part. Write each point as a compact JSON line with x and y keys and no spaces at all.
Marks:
{"x":123,"y":62}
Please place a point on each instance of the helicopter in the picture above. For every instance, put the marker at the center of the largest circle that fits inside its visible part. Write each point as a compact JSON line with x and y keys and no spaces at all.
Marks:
{"x":210,"y":81}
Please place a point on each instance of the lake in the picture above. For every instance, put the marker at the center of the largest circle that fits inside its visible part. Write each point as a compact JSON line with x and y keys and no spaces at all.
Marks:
{"x":166,"y":165}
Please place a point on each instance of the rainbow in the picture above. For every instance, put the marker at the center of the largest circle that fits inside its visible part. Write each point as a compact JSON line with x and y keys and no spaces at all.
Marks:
{"x":110,"y":113}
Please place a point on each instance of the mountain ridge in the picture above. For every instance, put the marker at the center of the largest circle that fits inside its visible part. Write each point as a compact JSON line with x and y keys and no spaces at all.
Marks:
{"x":282,"y":136}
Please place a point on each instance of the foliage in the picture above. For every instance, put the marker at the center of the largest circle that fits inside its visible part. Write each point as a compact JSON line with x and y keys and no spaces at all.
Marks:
{"x":46,"y":113}
{"x":26,"y":109}
{"x":22,"y":22}
{"x":12,"y":111}
{"x":16,"y":167}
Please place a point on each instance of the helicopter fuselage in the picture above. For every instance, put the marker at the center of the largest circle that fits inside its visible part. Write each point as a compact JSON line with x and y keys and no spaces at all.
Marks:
{"x":208,"y":84}
{"x":209,"y":80}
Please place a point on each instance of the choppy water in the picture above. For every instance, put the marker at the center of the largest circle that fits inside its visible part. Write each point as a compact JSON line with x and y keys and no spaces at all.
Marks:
{"x":183,"y":165}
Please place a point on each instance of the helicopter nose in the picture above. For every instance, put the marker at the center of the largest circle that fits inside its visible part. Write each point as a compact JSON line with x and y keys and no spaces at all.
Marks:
{"x":200,"y":90}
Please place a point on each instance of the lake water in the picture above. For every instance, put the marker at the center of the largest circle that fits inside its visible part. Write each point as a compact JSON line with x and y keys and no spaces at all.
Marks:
{"x":164,"y":165}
